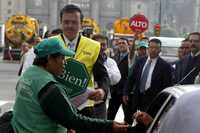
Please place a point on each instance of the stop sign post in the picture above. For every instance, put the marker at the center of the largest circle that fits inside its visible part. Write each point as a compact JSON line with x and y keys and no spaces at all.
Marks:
{"x":75,"y":78}
{"x":138,"y":23}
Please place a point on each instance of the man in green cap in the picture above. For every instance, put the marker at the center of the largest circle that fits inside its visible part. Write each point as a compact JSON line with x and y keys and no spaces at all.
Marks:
{"x":142,"y":47}
{"x":41,"y":105}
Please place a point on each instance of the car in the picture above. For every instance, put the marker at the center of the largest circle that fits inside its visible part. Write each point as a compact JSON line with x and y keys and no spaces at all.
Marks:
{"x":169,"y":48}
{"x":164,"y":101}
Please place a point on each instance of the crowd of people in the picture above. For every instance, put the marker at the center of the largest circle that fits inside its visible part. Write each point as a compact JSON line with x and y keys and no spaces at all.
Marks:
{"x":129,"y":73}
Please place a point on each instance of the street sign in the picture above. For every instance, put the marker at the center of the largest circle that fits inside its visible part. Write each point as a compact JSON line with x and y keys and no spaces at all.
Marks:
{"x":138,"y":23}
{"x":75,"y":78}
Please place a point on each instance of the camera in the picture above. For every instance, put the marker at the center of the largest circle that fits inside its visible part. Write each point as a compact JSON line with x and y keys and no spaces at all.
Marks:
{"x":87,"y":31}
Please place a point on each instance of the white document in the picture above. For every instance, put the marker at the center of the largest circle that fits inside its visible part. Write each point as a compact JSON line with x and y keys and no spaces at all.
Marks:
{"x":81,"y":99}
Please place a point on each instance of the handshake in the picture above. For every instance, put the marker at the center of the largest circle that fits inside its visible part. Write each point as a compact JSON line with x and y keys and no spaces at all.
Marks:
{"x":138,"y":117}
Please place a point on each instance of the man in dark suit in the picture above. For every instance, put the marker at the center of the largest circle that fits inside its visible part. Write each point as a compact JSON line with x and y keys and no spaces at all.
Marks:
{"x":191,"y":63}
{"x":158,"y":77}
{"x":183,"y":51}
{"x":117,"y":90}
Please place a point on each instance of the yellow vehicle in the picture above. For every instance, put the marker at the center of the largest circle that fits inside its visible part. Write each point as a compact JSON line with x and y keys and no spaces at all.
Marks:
{"x":122,"y":29}
{"x":121,"y":26}
{"x":18,"y":28}
{"x":89,"y":27}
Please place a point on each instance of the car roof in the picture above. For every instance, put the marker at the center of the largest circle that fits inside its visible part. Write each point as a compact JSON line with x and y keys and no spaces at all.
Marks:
{"x":170,"y":41}
{"x":179,"y":90}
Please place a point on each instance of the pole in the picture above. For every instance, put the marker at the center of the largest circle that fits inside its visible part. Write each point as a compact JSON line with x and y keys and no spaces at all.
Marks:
{"x":160,"y":11}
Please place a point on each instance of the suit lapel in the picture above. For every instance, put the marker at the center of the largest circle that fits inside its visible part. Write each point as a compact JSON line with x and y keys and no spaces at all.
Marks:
{"x":156,"y":69}
{"x":142,"y":66}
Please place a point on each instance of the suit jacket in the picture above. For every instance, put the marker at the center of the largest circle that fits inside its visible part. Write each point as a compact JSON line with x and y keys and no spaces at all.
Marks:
{"x":161,"y":78}
{"x":192,"y":66}
{"x":123,"y":68}
{"x":178,"y":70}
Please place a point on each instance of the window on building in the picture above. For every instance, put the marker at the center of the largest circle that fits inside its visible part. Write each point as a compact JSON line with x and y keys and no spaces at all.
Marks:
{"x":139,"y":6}
{"x":38,"y":2}
{"x":9,"y":3}
{"x":9,"y":11}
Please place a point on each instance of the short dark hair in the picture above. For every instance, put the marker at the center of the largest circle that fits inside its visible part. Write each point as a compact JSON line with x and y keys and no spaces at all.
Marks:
{"x":123,"y":38}
{"x":194,"y":33}
{"x":70,"y":8}
{"x":44,"y":60}
{"x":186,"y":40}
{"x":56,"y":31}
{"x":99,"y":36}
{"x":155,"y":40}
{"x":41,"y":61}
{"x":46,"y":34}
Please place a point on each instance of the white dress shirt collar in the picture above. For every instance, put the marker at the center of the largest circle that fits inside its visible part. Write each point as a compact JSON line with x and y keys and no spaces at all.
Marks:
{"x":149,"y":78}
{"x":74,"y":41}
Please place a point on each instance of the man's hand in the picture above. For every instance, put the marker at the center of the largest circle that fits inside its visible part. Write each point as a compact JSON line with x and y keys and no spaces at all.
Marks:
{"x":97,"y":95}
{"x":142,"y":117}
{"x":119,"y":127}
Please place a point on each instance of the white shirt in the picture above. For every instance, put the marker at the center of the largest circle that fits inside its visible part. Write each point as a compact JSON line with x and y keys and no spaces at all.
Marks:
{"x":113,"y":71}
{"x":29,"y":58}
{"x":153,"y":63}
{"x":195,"y":54}
{"x":74,"y":42}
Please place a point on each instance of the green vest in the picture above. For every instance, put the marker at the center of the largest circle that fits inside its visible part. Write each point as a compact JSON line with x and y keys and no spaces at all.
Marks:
{"x":28,"y":116}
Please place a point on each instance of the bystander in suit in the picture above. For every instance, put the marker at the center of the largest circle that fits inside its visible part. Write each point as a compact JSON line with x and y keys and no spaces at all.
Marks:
{"x":149,"y":77}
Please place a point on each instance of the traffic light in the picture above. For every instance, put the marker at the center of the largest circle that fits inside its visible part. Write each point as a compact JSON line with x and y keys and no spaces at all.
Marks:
{"x":157,"y":29}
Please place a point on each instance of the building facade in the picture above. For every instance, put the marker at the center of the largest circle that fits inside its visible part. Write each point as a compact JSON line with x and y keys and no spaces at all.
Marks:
{"x":11,"y":7}
{"x":182,"y":15}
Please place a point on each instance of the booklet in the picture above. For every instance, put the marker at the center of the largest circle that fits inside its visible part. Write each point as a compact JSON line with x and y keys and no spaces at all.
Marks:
{"x":79,"y":100}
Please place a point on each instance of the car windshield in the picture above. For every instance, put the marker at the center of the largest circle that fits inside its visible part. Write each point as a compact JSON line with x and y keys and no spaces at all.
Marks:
{"x":169,"y":51}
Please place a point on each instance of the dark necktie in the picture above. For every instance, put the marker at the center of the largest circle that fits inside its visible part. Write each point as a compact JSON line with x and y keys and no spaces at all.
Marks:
{"x":144,"y":76}
{"x":70,"y":44}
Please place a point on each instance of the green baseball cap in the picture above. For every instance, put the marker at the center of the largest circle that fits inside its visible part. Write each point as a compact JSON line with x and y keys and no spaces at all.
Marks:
{"x":142,"y":44}
{"x":51,"y":46}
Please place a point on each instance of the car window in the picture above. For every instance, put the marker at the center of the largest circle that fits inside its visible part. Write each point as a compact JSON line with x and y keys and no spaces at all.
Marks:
{"x":168,"y":101}
{"x":169,"y":51}
{"x":157,"y":103}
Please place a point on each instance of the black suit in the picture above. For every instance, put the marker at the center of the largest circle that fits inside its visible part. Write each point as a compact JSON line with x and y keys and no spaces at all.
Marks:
{"x":161,"y":78}
{"x":192,"y":65}
{"x":177,"y":75}
{"x":117,"y":90}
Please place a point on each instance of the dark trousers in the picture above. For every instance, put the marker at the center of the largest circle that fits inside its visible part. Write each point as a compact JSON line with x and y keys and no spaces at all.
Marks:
{"x":5,"y":123}
{"x":113,"y":107}
{"x":100,"y":111}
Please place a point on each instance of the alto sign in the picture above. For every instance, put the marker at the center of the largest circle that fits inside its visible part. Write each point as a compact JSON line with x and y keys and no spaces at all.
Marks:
{"x":138,"y":23}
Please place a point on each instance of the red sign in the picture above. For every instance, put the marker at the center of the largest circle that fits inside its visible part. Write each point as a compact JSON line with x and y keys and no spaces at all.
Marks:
{"x":138,"y":23}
